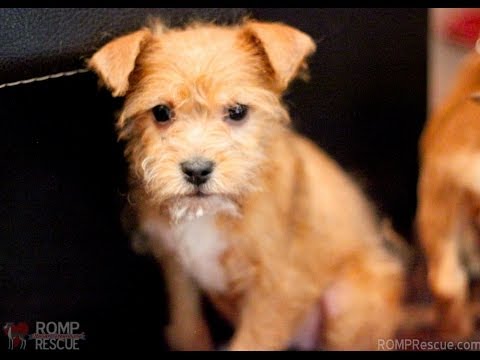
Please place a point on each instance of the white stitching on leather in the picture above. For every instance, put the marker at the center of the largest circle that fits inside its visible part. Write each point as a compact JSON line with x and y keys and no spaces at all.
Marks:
{"x":43,"y":78}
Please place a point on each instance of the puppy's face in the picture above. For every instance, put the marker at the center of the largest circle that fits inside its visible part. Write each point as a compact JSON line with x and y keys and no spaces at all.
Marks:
{"x":202,"y":106}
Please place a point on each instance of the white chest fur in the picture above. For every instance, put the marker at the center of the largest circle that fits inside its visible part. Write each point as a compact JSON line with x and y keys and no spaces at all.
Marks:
{"x":199,"y":244}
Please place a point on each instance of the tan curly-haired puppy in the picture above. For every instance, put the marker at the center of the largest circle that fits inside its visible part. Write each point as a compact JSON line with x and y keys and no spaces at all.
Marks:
{"x":236,"y":204}
{"x":448,"y":212}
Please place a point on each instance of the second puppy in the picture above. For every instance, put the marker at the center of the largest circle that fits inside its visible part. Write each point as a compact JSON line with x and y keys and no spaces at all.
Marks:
{"x":448,"y":215}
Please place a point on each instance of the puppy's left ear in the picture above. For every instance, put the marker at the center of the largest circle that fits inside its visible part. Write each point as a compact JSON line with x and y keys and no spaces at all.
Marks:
{"x":287,"y":48}
{"x":116,"y":60}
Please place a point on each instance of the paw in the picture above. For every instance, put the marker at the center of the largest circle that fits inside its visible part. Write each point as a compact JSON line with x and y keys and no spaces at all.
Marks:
{"x":188,"y":338}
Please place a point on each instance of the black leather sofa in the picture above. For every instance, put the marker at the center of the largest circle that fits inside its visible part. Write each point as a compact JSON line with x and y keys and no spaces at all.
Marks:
{"x":63,"y":255}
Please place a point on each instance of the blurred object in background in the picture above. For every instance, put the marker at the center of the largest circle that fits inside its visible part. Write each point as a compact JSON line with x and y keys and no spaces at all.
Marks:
{"x":452,"y":33}
{"x":463,"y":28}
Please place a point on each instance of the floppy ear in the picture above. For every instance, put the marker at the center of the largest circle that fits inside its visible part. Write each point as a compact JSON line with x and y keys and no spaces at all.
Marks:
{"x":115,"y":61}
{"x":286,"y":48}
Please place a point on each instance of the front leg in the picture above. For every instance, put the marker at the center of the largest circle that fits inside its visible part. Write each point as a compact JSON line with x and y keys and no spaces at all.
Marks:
{"x":440,"y":225}
{"x":271,"y":315}
{"x":187,"y":329}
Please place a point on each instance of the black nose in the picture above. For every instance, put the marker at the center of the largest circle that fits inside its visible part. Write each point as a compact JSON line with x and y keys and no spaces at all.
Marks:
{"x":197,"y":171}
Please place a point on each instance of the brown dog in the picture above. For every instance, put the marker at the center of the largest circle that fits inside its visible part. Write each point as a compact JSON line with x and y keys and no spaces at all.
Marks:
{"x":449,"y":199}
{"x":236,"y":204}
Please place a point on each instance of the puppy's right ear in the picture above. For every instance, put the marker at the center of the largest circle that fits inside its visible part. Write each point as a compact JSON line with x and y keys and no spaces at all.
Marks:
{"x":286,"y":48}
{"x":116,"y":60}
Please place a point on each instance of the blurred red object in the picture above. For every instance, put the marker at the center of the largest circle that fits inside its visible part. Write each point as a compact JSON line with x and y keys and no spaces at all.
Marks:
{"x":464,"y":28}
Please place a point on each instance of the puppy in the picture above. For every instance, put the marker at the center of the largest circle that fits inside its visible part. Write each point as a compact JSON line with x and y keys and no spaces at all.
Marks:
{"x":449,"y":199}
{"x":232,"y":202}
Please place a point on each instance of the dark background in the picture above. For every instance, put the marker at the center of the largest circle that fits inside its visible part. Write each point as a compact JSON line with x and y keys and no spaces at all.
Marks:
{"x":63,"y":255}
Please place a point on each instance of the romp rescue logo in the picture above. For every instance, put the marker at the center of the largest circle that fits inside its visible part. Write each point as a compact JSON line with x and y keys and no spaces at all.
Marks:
{"x":51,"y":335}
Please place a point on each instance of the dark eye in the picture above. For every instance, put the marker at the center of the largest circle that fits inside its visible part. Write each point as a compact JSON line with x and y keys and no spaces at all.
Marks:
{"x":162,"y":113}
{"x":237,"y":112}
